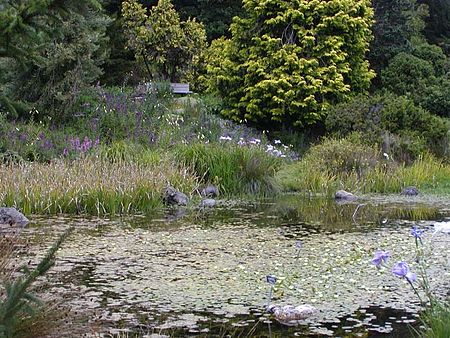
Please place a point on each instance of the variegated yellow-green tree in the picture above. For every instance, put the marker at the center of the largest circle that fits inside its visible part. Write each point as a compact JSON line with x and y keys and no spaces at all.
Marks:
{"x":167,"y":47}
{"x":287,"y":61}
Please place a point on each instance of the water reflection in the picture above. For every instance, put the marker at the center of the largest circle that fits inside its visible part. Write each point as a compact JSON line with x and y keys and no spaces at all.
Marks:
{"x":203,"y":273}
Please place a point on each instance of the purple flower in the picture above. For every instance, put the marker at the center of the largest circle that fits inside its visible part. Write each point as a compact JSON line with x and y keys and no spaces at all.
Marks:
{"x":75,"y":143}
{"x":380,"y":257}
{"x":65,"y":152}
{"x":298,"y":245}
{"x":417,"y":233}
{"x":271,"y":279}
{"x":411,"y":277}
{"x":48,"y":144}
{"x":23,"y":137}
{"x":86,"y":145}
{"x":401,"y":269}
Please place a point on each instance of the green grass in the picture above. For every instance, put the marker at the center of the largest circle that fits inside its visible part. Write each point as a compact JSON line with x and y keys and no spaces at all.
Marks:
{"x":90,"y":186}
{"x":236,"y":170}
{"x":427,"y":173}
{"x":437,"y":321}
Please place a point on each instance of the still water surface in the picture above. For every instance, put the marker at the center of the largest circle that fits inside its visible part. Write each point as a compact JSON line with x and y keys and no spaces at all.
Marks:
{"x":202,"y":272}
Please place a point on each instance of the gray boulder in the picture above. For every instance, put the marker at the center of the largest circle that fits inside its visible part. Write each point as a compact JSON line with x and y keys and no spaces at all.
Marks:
{"x":410,"y":191}
{"x":172,"y":196}
{"x":208,"y":203}
{"x":11,"y":216}
{"x":342,"y":195}
{"x":210,"y":191}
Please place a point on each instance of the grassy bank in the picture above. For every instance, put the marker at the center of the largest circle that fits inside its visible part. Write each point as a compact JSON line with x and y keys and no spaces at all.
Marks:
{"x":90,"y":186}
{"x":234,"y":169}
{"x":125,"y":146}
{"x":344,"y":164}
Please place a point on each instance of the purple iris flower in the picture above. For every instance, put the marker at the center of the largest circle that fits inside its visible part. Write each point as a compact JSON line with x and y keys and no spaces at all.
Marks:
{"x":271,"y":279}
{"x":298,"y":245}
{"x":380,"y":257}
{"x":417,"y":233}
{"x":401,"y":269}
{"x":75,"y":143}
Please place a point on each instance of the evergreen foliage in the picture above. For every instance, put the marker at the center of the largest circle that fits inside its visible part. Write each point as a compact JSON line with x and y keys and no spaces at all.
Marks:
{"x":215,"y":15}
{"x":20,"y":306}
{"x":421,"y":75}
{"x":287,"y":61}
{"x":53,"y":50}
{"x":437,"y":28}
{"x":404,"y":129}
{"x":168,"y":47}
{"x":397,"y":24}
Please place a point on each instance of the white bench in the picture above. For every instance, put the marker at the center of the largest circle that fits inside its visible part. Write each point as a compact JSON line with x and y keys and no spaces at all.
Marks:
{"x":180,"y":88}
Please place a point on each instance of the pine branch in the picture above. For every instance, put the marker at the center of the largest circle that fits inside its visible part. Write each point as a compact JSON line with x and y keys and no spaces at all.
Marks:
{"x":18,"y":301}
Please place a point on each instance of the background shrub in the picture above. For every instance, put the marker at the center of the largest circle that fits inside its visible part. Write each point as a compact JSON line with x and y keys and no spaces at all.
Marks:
{"x":402,"y":128}
{"x":422,"y":75}
{"x":339,"y":157}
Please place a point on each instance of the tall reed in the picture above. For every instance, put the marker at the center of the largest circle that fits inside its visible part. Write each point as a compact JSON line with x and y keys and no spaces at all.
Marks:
{"x":235,"y":169}
{"x":90,"y":186}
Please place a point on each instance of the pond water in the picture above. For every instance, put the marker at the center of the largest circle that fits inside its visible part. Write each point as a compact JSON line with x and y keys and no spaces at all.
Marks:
{"x":201,"y":273}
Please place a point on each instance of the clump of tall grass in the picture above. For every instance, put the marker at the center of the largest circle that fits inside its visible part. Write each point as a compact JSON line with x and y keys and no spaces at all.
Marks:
{"x":126,"y":152}
{"x":90,"y":186}
{"x":349,"y":164}
{"x":235,"y":169}
{"x":427,"y":173}
{"x":436,"y":320}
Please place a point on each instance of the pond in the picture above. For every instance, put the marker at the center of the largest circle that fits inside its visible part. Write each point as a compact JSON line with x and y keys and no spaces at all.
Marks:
{"x":202,"y":272}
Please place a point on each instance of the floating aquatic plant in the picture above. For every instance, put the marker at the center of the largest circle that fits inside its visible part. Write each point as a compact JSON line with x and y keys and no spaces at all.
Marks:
{"x":147,"y":271}
{"x":298,"y":247}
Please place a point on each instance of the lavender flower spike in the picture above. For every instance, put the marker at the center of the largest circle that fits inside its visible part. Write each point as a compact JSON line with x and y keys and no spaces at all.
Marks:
{"x":380,"y":257}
